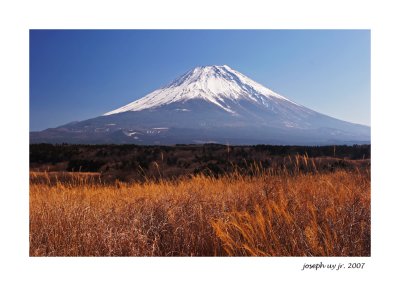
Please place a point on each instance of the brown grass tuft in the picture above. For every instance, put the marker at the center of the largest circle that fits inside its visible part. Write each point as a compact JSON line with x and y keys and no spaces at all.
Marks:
{"x":262,"y":215}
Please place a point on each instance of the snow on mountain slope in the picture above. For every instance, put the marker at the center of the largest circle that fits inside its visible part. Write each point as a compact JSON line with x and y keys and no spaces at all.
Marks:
{"x":219,"y":85}
{"x":210,"y":104}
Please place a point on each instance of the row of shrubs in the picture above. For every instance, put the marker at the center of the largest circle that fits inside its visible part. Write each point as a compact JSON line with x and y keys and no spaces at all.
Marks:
{"x":127,"y":161}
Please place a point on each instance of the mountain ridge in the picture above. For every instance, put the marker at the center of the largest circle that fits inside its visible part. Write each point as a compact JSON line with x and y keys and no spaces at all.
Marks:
{"x":210,"y":104}
{"x":212,"y":83}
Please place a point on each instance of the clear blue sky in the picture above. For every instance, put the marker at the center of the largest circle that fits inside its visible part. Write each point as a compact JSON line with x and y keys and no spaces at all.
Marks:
{"x":80,"y":74}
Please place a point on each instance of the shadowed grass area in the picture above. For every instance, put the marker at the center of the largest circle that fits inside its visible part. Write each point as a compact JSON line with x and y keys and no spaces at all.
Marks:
{"x":267,"y":214}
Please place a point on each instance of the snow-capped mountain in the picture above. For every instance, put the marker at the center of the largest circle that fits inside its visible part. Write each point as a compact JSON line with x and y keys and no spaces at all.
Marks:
{"x":215,"y":84}
{"x":210,"y":104}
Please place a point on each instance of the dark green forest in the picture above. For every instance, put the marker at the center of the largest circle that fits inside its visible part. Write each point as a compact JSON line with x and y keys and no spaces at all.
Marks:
{"x":134,"y":162}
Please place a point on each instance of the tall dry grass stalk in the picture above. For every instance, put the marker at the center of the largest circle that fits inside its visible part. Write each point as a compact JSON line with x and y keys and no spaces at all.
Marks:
{"x":262,"y":215}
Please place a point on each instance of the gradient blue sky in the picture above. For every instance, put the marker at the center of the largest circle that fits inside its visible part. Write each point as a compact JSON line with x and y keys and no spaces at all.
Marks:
{"x":80,"y":74}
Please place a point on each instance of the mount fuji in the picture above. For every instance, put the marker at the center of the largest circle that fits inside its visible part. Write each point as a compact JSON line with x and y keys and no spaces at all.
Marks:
{"x":210,"y":104}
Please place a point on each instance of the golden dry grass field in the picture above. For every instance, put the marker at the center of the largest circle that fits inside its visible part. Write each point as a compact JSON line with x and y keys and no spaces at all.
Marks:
{"x":267,"y":214}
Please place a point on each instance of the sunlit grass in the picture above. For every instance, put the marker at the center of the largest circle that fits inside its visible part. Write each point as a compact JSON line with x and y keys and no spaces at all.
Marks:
{"x":267,"y":214}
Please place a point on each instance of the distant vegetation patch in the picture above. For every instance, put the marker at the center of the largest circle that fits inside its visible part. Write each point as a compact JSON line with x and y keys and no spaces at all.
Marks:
{"x":138,"y":163}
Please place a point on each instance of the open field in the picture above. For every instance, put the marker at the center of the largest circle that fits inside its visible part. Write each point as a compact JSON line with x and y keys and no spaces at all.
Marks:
{"x":298,"y":212}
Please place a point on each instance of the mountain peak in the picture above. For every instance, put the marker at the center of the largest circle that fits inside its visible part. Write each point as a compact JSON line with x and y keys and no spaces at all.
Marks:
{"x":210,"y":104}
{"x":216,"y":84}
{"x":210,"y":67}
